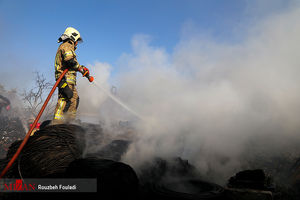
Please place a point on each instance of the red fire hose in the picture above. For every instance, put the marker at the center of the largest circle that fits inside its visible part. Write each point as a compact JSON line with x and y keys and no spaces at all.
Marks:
{"x":33,"y":126}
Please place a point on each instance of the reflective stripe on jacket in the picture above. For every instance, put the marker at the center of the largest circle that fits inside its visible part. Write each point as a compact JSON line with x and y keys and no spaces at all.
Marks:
{"x":66,"y":52}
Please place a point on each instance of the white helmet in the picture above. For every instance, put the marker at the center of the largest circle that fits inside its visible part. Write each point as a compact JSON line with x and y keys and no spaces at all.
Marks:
{"x":70,"y":33}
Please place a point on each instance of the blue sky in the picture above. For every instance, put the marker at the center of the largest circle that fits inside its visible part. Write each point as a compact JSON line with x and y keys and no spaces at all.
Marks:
{"x":29,"y":29}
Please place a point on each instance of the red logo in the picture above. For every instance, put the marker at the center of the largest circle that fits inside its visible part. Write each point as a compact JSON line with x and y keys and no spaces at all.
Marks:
{"x":18,"y":186}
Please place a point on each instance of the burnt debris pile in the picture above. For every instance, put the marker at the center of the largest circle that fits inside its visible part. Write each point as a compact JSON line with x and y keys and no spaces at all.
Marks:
{"x":114,"y":150}
{"x":57,"y":151}
{"x":175,"y":179}
{"x":60,"y":151}
{"x":256,"y":184}
{"x":114,"y":179}
{"x":252,"y":179}
{"x":11,"y":129}
{"x":49,"y":151}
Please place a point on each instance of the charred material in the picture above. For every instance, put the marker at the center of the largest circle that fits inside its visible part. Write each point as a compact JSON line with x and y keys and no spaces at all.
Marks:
{"x":103,"y":144}
{"x":250,"y":184}
{"x":45,"y":123}
{"x":61,"y":151}
{"x":176,"y":179}
{"x":114,"y":150}
{"x":294,"y":179}
{"x":114,"y":179}
{"x":255,"y":184}
{"x":11,"y":129}
{"x":49,"y":151}
{"x":56,"y":151}
{"x":252,"y":179}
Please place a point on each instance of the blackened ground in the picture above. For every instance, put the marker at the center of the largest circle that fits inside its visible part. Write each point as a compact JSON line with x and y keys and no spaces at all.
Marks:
{"x":57,"y":151}
{"x":294,"y":180}
{"x":11,"y":129}
{"x":253,"y":179}
{"x":114,"y":179}
{"x":259,"y":181}
{"x":60,"y":151}
{"x":114,"y":150}
{"x":107,"y":143}
{"x":158,"y":169}
{"x":281,"y":170}
{"x":175,"y":179}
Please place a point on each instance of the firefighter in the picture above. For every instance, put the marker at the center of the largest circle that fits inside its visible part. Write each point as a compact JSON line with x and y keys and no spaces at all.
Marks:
{"x":4,"y":102}
{"x":68,"y":99}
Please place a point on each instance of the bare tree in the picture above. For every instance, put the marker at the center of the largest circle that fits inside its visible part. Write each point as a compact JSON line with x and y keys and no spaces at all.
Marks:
{"x":35,"y":97}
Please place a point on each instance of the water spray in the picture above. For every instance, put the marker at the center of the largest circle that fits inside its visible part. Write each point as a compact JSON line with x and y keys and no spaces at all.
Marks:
{"x":91,"y":79}
{"x":118,"y":101}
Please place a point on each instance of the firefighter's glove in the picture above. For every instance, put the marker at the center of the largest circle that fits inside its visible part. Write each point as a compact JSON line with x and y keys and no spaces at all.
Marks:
{"x":65,"y":90}
{"x":84,"y":71}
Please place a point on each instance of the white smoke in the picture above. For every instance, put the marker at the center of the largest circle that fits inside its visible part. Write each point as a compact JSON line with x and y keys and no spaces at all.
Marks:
{"x":206,"y":100}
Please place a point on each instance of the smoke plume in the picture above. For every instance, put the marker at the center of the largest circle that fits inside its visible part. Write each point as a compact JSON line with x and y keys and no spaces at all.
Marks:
{"x":214,"y":103}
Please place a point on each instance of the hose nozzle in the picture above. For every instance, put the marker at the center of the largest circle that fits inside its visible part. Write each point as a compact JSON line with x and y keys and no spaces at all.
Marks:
{"x":87,"y":75}
{"x":90,"y":78}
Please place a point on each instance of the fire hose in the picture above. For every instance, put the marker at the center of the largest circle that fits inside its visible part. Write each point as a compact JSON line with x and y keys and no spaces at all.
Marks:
{"x":36,"y":121}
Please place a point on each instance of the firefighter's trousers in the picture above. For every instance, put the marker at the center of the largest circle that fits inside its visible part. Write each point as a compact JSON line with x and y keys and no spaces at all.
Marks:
{"x":65,"y":110}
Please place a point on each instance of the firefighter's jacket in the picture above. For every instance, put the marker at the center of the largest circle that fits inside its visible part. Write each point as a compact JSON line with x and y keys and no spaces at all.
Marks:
{"x":66,"y":52}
